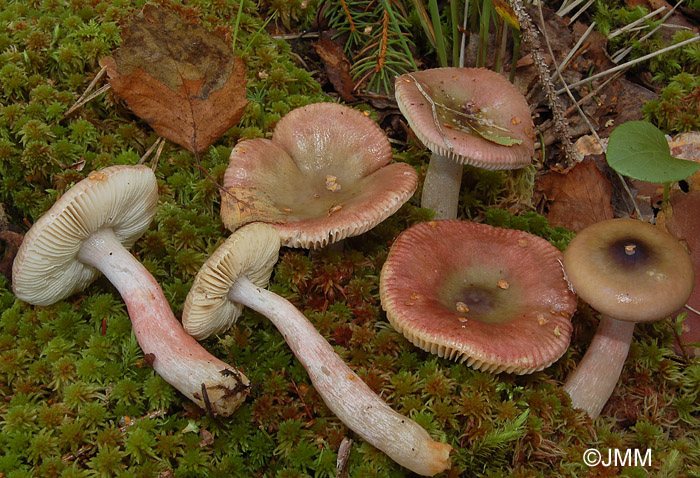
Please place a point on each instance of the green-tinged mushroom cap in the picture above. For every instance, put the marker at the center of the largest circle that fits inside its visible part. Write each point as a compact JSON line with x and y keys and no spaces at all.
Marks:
{"x":325,"y":175}
{"x":491,"y":297}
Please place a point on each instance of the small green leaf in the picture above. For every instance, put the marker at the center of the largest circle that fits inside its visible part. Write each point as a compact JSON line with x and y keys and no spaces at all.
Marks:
{"x":639,"y":150}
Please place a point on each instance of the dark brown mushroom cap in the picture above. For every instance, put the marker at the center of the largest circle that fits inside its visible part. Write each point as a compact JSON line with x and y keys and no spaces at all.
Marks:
{"x":467,"y":90}
{"x":493,"y":297}
{"x":324,"y":176}
{"x":629,"y":270}
{"x":122,"y":198}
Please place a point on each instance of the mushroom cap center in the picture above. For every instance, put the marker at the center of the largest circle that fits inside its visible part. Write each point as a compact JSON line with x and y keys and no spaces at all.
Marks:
{"x":312,"y":194}
{"x":631,"y":253}
{"x":486,"y":295}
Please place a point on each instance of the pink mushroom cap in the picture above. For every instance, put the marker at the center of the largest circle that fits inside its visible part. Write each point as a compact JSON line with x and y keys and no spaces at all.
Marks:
{"x":493,"y":297}
{"x":457,"y":92}
{"x":325,"y":175}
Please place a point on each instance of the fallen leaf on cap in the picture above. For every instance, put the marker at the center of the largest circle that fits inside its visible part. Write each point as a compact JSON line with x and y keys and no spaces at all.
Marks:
{"x":578,"y":198}
{"x":682,"y":221}
{"x":241,"y":205}
{"x":179,"y":77}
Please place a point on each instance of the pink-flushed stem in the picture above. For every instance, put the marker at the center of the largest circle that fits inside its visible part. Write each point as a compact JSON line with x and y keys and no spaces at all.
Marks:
{"x":441,"y":187}
{"x":345,"y":394}
{"x":592,"y":383}
{"x":174,"y":354}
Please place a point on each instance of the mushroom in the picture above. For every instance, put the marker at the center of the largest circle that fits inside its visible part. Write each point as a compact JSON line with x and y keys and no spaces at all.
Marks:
{"x":324,"y":176}
{"x":629,"y":271}
{"x":235,"y":276}
{"x":464,"y":116}
{"x":493,"y":297}
{"x":88,"y":231}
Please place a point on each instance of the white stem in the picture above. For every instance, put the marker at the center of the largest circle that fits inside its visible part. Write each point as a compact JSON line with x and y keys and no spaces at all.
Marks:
{"x":592,"y":383}
{"x":175,"y":355}
{"x":441,"y":187}
{"x":345,"y":394}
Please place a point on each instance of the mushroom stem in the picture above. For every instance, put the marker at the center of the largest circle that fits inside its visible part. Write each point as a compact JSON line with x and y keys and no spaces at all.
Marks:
{"x":175,"y":355}
{"x":345,"y":394}
{"x":592,"y":383}
{"x":441,"y":187}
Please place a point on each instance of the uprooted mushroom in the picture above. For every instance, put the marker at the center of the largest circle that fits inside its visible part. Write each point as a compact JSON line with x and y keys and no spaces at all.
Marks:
{"x":88,"y":231}
{"x":235,"y":276}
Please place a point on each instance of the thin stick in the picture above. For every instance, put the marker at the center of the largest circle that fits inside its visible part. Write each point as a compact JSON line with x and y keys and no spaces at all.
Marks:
{"x":463,"y":46}
{"x":620,"y":55}
{"x":531,"y":38}
{"x":583,"y":9}
{"x":308,"y":412}
{"x":692,"y":309}
{"x":571,"y":53}
{"x":633,"y":24}
{"x":80,"y":102}
{"x":160,"y":150}
{"x":630,"y":63}
{"x":435,"y":115}
{"x":150,"y":149}
{"x":566,"y":7}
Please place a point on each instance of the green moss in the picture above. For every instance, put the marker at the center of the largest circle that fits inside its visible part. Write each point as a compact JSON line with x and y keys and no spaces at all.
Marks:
{"x":80,"y":398}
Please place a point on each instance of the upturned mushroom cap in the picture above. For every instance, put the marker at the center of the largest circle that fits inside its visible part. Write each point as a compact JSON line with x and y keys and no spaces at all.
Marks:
{"x":46,"y":268}
{"x":251,"y":252}
{"x":629,"y":270}
{"x":493,"y":297}
{"x":456,"y":94}
{"x":324,"y":176}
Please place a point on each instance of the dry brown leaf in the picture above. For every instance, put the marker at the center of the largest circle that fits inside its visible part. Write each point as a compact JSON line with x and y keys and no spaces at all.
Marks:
{"x":242,"y":205}
{"x":681,"y":219}
{"x":337,"y":66}
{"x":577,"y":198}
{"x":11,"y":241}
{"x":207,"y":438}
{"x":179,"y":77}
{"x":687,"y":146}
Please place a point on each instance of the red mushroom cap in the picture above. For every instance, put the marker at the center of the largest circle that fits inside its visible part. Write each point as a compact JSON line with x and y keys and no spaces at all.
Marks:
{"x":493,"y":297}
{"x":456,"y":93}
